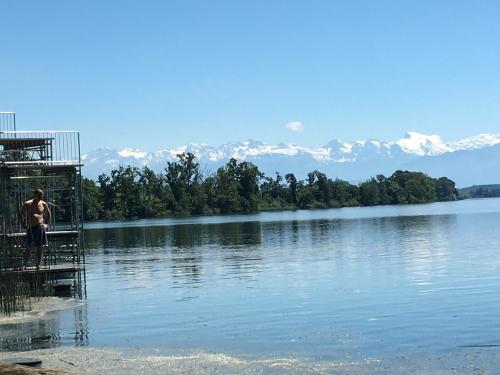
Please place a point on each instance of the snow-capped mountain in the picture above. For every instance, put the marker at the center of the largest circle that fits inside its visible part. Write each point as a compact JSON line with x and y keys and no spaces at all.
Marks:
{"x":349,"y":160}
{"x":423,"y":145}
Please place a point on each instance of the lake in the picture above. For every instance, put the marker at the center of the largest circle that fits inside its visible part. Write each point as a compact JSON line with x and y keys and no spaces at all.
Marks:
{"x":324,"y":285}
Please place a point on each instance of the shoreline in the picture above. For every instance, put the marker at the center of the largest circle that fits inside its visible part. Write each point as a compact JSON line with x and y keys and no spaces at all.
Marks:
{"x":280,"y":209}
{"x":88,"y":360}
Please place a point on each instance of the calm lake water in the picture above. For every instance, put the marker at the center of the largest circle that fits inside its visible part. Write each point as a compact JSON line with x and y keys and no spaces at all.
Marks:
{"x":343,"y":283}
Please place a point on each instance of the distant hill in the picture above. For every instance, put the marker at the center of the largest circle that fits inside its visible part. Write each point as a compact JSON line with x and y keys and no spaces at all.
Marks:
{"x":480,"y":191}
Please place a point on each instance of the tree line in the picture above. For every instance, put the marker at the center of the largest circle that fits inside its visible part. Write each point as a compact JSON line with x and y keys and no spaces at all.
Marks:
{"x":481,"y":191}
{"x":239,"y":187}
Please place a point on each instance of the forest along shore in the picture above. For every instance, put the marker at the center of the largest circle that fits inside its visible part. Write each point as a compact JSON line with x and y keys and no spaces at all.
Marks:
{"x":239,"y":187}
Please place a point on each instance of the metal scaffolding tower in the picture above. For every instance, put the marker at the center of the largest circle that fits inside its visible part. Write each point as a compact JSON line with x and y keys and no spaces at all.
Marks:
{"x":49,"y":160}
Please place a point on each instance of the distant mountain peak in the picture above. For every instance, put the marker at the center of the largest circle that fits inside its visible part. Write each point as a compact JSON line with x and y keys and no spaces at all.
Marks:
{"x":476,"y":141}
{"x":351,"y":160}
{"x":421,"y":144}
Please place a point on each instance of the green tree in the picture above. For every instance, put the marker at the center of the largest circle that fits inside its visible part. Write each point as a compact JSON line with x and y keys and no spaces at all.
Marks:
{"x":153,"y":195}
{"x":108,"y":194}
{"x":248,"y":176}
{"x":184,"y":177}
{"x":445,"y":189}
{"x":125,"y":183}
{"x":92,"y":200}
{"x":293,"y":187}
{"x":368,"y":193}
{"x":416,"y":187}
{"x":343,"y":193}
{"x":227,"y":186}
{"x":305,"y":195}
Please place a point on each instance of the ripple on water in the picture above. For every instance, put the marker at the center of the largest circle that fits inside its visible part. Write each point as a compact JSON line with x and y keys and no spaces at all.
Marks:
{"x":359,"y":282}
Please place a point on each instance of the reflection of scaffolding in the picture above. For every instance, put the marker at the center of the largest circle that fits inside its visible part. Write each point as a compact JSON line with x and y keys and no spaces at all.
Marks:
{"x":49,"y":160}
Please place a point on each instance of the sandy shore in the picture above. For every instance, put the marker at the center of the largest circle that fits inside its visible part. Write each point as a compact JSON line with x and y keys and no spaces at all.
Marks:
{"x":478,"y":361}
{"x":90,"y":360}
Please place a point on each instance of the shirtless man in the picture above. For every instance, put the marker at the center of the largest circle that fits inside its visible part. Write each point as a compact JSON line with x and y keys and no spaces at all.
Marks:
{"x":32,"y":215}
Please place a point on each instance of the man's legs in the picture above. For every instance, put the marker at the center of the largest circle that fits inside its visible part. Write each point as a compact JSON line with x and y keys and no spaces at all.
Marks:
{"x":39,"y":255}
{"x":27,"y":255}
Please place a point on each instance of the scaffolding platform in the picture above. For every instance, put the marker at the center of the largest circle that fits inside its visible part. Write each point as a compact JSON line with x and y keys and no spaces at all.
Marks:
{"x":55,"y":234}
{"x":51,"y":161}
{"x":10,"y":144}
{"x":57,"y":270}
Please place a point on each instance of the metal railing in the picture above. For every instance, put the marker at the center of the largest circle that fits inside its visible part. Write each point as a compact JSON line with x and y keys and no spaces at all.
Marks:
{"x":7,"y":121}
{"x":40,"y":148}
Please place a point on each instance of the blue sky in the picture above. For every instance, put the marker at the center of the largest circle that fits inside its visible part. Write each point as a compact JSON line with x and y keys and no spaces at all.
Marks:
{"x":155,"y":74}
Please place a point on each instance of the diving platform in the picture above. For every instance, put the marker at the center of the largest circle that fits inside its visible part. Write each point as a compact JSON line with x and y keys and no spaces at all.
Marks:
{"x":52,"y":269}
{"x":54,"y":234}
{"x":63,"y":246}
{"x":49,"y":160}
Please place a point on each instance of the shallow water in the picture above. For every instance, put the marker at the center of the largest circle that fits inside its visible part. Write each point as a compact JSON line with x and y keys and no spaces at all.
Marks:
{"x":329,"y":285}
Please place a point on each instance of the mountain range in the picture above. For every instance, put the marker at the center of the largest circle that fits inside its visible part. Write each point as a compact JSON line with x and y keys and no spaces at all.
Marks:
{"x":469,"y":161}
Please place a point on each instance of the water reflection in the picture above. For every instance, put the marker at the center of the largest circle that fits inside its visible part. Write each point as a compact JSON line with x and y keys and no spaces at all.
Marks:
{"x":47,"y":329}
{"x":225,"y":234}
{"x":415,"y":249}
{"x":419,"y":244}
{"x":321,"y":284}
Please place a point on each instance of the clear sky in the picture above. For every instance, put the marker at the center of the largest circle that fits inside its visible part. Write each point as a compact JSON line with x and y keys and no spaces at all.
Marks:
{"x":155,"y":74}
